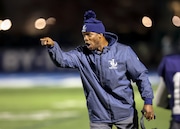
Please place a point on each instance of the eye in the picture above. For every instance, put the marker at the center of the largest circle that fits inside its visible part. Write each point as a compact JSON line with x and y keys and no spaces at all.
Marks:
{"x":91,"y":34}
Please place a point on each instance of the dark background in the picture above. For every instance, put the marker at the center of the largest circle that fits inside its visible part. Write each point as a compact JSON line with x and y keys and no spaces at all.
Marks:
{"x":122,"y":17}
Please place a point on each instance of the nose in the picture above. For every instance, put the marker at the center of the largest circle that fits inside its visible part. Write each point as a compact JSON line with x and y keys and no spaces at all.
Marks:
{"x":85,"y":38}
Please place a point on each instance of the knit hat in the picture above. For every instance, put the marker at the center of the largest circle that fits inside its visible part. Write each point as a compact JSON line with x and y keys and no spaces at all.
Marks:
{"x":91,"y":24}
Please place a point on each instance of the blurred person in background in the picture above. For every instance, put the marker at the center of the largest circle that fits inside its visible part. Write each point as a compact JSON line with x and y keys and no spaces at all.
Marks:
{"x":168,"y":92}
{"x":107,"y":68}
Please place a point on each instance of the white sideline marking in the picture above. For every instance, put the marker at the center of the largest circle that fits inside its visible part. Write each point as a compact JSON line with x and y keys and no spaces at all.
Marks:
{"x":24,"y":82}
{"x":61,"y":80}
{"x":41,"y":115}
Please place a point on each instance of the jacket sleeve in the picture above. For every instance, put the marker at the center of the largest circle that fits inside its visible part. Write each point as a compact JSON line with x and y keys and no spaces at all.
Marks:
{"x":61,"y":58}
{"x":139,"y":74}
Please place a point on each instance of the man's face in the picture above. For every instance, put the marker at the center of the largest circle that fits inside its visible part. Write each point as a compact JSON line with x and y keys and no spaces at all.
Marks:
{"x":92,"y":40}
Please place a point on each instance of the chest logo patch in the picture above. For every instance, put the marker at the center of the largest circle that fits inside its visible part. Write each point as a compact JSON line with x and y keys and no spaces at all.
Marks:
{"x":113,"y":64}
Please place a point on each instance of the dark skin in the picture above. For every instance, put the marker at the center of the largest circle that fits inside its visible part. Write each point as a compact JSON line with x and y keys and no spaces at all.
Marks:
{"x":96,"y":41}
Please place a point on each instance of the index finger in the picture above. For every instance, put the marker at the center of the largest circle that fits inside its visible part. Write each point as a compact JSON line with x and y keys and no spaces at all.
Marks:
{"x":43,"y":39}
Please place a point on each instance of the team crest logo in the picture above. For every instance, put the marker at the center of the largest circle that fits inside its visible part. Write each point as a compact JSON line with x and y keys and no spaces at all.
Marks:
{"x":113,"y":64}
{"x":84,"y":28}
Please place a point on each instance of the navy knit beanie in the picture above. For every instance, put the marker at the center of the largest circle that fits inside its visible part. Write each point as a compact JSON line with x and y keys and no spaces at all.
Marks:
{"x":91,"y":24}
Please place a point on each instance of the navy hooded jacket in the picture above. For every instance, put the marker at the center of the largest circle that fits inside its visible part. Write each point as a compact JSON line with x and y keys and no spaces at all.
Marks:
{"x":106,"y":78}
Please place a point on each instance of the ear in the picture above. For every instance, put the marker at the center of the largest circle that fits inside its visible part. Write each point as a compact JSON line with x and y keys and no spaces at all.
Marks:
{"x":101,"y":35}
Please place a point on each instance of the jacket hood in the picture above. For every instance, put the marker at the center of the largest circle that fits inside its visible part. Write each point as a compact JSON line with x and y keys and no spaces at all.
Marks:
{"x":111,"y":38}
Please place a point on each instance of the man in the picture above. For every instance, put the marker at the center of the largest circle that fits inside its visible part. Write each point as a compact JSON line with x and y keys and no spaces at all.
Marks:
{"x":168,"y":92}
{"x":106,"y":68}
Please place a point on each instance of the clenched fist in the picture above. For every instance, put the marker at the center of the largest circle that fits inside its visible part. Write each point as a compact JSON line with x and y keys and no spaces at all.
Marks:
{"x":46,"y":41}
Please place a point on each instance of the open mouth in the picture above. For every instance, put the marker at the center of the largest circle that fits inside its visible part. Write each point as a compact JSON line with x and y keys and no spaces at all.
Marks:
{"x":87,"y":44}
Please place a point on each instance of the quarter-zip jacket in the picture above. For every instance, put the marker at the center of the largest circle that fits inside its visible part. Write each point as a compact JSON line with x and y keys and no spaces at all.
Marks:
{"x":106,"y":78}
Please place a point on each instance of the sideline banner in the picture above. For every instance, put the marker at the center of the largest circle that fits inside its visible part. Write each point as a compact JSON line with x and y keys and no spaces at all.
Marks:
{"x":25,"y":60}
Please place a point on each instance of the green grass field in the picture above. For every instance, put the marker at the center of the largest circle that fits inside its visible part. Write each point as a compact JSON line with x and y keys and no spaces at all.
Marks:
{"x":56,"y":108}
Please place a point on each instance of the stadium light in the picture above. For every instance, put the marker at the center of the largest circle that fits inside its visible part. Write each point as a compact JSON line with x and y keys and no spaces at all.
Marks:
{"x":51,"y":21}
{"x":146,"y":21}
{"x":0,"y":24}
{"x":6,"y":24}
{"x":40,"y":23}
{"x":176,"y":21}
